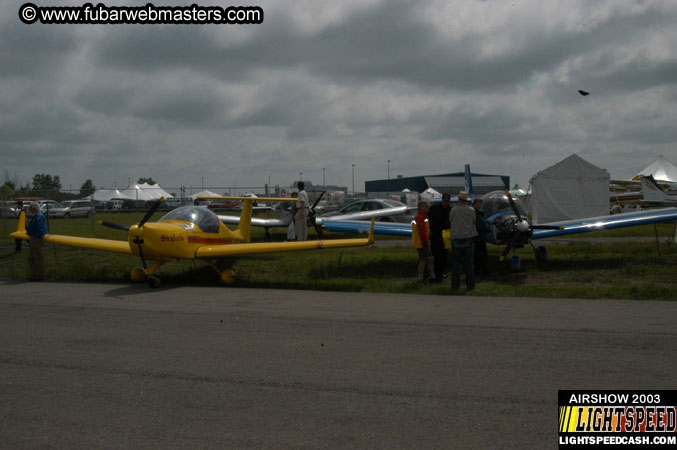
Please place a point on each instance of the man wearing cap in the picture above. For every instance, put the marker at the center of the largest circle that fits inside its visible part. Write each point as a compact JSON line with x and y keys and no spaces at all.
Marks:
{"x":438,"y":218}
{"x":463,"y":230}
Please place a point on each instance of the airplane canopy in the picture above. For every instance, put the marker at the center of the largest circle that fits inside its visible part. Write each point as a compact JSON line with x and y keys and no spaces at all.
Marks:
{"x":497,"y":201}
{"x":205,"y":219}
{"x":661,"y":169}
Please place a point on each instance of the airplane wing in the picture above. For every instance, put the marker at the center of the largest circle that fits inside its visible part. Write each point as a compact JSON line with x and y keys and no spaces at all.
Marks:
{"x":217,"y":251}
{"x":73,"y":241}
{"x":360,"y":226}
{"x":365,"y":215}
{"x":569,"y":226}
{"x":268,"y":223}
{"x":630,"y":219}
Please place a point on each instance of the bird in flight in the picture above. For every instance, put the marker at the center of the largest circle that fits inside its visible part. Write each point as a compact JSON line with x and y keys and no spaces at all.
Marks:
{"x":583,"y":93}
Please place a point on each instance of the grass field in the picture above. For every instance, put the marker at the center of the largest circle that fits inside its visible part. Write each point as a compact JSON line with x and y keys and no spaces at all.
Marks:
{"x":579,"y":268}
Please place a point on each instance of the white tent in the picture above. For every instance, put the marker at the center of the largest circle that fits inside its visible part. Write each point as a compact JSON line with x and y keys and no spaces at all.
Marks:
{"x":154,"y":190}
{"x":661,"y":169}
{"x":105,"y":195}
{"x":571,"y":189}
{"x":205,"y":193}
{"x":430,"y":194}
{"x":145,"y":191}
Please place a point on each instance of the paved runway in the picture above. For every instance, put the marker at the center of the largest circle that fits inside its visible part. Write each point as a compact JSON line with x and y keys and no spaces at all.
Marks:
{"x":119,"y":366}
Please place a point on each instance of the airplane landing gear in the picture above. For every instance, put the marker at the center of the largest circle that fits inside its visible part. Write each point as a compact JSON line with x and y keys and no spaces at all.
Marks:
{"x":140,"y":274}
{"x":153,"y":281}
{"x":515,"y":263}
{"x":228,"y":276}
{"x":541,"y":254}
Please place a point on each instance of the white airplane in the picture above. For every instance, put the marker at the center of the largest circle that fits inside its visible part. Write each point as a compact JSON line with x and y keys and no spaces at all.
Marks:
{"x":654,"y":194}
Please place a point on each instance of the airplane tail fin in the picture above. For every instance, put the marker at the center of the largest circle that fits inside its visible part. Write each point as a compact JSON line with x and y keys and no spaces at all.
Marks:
{"x":245,"y":227}
{"x":652,"y":192}
{"x":20,"y":227}
{"x":468,"y":182}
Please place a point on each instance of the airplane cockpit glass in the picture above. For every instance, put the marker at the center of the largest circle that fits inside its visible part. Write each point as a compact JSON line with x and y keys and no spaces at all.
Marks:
{"x":498,"y":201}
{"x":205,"y":219}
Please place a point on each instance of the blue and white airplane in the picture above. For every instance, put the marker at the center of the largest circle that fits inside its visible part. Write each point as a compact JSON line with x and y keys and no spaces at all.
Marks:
{"x":512,"y":227}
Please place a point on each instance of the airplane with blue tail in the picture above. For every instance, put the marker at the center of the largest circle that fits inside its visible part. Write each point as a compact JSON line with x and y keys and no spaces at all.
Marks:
{"x":511,"y":226}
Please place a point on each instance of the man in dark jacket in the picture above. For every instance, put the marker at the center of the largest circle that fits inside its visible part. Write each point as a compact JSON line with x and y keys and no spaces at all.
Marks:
{"x":36,"y":231}
{"x":480,"y":257}
{"x":438,"y":218}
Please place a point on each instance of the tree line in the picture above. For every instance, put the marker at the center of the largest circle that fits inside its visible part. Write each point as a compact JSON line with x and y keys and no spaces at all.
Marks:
{"x":49,"y":186}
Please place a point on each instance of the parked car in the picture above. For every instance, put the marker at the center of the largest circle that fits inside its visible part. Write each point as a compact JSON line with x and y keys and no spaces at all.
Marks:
{"x":45,"y":204}
{"x":7,"y":212}
{"x":71,"y":208}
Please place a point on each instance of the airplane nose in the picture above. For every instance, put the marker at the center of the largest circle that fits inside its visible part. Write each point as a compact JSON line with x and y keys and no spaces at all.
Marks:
{"x":523,"y":226}
{"x":135,"y":231}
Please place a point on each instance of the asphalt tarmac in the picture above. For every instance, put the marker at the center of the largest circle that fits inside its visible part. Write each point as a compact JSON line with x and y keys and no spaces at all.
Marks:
{"x":101,"y":366}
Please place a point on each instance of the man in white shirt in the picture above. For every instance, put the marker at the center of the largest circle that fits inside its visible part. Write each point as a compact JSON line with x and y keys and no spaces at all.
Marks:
{"x":301,"y":218}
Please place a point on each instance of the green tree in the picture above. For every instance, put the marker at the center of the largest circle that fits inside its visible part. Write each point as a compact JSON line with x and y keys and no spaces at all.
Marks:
{"x":45,"y":182}
{"x":148,"y":180}
{"x":87,"y":188}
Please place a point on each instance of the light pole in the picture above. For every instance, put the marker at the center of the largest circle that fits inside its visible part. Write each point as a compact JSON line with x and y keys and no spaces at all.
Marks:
{"x":353,"y":180}
{"x":300,"y":176}
{"x":203,"y":183}
{"x":323,"y":182}
{"x":388,"y":182}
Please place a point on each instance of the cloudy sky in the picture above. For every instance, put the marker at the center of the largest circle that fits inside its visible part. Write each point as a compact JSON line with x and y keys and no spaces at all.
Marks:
{"x":429,"y":85}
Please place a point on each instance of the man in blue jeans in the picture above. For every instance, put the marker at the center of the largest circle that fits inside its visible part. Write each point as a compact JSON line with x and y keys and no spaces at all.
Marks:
{"x":463,"y":230}
{"x":36,"y":231}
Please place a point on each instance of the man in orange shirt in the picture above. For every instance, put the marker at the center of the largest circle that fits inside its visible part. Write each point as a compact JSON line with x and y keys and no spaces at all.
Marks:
{"x":420,"y":235}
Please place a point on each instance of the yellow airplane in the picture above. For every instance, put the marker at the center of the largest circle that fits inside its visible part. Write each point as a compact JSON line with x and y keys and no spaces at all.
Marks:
{"x":189,"y":232}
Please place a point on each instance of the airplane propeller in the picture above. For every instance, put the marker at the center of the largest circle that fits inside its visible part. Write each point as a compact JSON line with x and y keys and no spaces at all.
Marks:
{"x":115,"y":226}
{"x":136,"y":230}
{"x":522,"y":227}
{"x":313,"y":217}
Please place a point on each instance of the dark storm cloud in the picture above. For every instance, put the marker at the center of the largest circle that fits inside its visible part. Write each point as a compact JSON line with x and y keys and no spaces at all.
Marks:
{"x":34,"y":53}
{"x":320,"y":85}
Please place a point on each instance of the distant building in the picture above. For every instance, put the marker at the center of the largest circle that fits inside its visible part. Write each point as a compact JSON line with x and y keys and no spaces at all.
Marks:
{"x":310,"y":187}
{"x":446,"y":183}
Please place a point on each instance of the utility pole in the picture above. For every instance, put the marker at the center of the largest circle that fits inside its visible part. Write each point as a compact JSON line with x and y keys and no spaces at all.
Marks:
{"x":353,"y":180}
{"x":388,"y":182}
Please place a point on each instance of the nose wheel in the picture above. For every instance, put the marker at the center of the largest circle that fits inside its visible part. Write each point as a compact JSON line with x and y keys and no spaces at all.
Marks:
{"x":147,"y":275}
{"x":153,"y":281}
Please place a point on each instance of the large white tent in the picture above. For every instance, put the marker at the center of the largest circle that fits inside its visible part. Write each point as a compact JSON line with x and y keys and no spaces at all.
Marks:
{"x":571,"y":189}
{"x":661,"y":169}
{"x":105,"y":195}
{"x":145,"y":191}
{"x":205,"y":193}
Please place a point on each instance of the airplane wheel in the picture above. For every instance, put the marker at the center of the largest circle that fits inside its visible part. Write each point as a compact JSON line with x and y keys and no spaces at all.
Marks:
{"x":138,"y":274}
{"x":516,"y":263}
{"x":541,"y":254}
{"x":228,"y":276}
{"x":153,"y":281}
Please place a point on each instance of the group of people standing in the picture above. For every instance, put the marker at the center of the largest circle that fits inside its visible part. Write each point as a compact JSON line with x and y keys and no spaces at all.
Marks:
{"x":468,"y":232}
